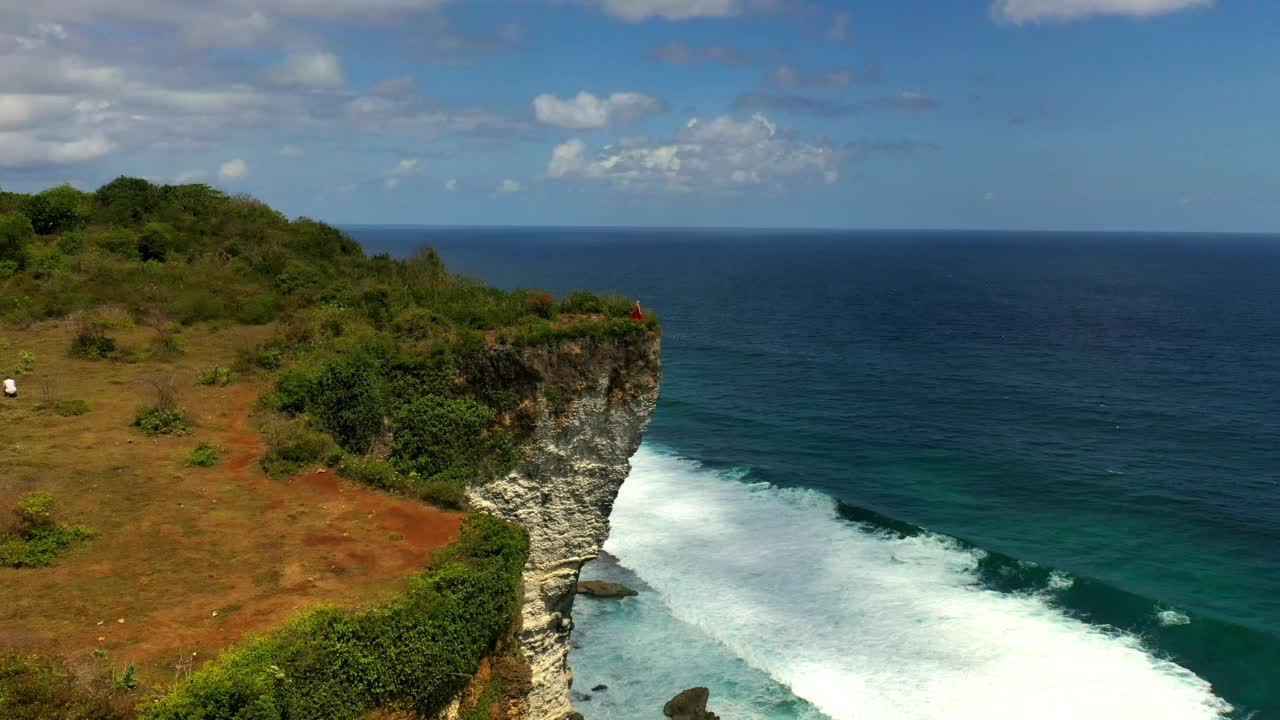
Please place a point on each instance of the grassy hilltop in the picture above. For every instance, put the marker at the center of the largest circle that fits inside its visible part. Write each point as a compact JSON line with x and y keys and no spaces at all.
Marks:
{"x":197,"y":372}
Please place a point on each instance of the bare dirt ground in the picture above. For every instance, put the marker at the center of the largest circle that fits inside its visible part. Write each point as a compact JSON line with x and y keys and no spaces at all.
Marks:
{"x":186,"y":560}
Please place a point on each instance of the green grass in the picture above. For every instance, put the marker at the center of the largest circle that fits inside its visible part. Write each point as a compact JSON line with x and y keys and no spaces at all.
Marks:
{"x":38,"y":539}
{"x":414,"y":654}
{"x":215,"y":376}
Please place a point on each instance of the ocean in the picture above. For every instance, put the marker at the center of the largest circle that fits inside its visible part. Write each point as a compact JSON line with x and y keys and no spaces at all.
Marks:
{"x":920,"y":475}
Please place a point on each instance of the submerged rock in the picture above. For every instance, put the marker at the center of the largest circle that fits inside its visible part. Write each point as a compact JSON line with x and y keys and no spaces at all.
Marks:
{"x":600,"y":687}
{"x":602,"y":589}
{"x":690,"y":705}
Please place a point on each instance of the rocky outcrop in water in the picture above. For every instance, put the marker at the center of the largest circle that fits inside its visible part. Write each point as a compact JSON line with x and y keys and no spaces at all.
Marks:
{"x":589,"y":402}
{"x":690,"y":705}
{"x":602,"y":589}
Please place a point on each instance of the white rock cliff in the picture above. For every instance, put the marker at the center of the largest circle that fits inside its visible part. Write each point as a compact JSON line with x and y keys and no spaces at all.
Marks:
{"x":595,"y":400}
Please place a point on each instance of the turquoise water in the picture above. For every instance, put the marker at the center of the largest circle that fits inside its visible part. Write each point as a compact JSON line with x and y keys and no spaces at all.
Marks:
{"x":937,"y":475}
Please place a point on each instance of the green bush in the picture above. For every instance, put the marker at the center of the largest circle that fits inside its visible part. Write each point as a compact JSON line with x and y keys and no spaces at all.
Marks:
{"x":582,"y":302}
{"x":214,"y":376}
{"x":26,"y":362}
{"x":15,"y":239}
{"x":346,"y":397}
{"x":374,"y":473}
{"x":541,"y":304}
{"x":434,"y":435}
{"x":156,"y":241}
{"x":414,"y":654}
{"x":92,"y":345}
{"x":119,"y":241}
{"x":39,"y":538}
{"x":162,"y":421}
{"x":293,"y":447}
{"x":203,"y":455}
{"x":36,"y":510}
{"x":72,"y":408}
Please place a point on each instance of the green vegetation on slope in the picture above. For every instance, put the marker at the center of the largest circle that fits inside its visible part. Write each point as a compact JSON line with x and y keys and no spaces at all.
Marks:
{"x":415,"y":653}
{"x":366,"y":347}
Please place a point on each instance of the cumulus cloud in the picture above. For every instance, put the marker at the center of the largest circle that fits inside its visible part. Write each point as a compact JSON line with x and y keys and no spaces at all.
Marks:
{"x":26,"y":149}
{"x":391,"y":183}
{"x":233,"y":170}
{"x":1020,"y":12}
{"x":315,"y":69}
{"x":636,"y":10}
{"x":723,"y":155}
{"x":292,"y":151}
{"x":510,"y":186}
{"x":403,"y":169}
{"x":586,"y":111}
{"x":451,"y":184}
{"x":189,"y":176}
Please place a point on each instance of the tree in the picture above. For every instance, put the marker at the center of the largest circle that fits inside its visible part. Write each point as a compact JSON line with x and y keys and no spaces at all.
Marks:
{"x":126,"y":200}
{"x":15,"y":238}
{"x":56,"y":209}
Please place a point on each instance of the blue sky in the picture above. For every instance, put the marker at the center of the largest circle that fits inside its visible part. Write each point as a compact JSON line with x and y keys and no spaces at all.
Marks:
{"x":1055,"y":114}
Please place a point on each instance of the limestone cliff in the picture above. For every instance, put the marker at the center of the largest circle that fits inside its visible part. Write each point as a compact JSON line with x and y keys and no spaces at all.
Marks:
{"x":589,"y":403}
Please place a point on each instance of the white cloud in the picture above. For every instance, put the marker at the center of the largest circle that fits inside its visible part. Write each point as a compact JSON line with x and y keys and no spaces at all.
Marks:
{"x":510,"y":186}
{"x":989,"y":196}
{"x":24,"y":149}
{"x":391,"y":183}
{"x":721,"y":155}
{"x":1019,"y":12}
{"x":292,"y":151}
{"x":451,"y":185}
{"x":233,"y":170}
{"x":586,"y":111}
{"x":405,"y":167}
{"x":636,"y":10}
{"x":317,"y":69}
{"x":189,"y":176}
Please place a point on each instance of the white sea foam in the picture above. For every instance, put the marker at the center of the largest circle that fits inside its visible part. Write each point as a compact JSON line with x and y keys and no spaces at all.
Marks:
{"x":872,"y":626}
{"x":1172,"y":617}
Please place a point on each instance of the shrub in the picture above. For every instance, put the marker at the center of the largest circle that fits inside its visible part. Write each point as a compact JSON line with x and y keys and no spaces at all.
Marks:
{"x":434,"y":436}
{"x":90,"y":341}
{"x":36,"y":510}
{"x":92,"y":345}
{"x":45,"y":261}
{"x":15,"y":239}
{"x":294,"y":446}
{"x":156,"y":241}
{"x":39,"y":539}
{"x":26,"y":363}
{"x":72,"y":408}
{"x":541,"y":304}
{"x":582,"y":302}
{"x":346,"y":397}
{"x":39,"y":687}
{"x":374,"y":473}
{"x":215,"y":376}
{"x":156,"y":421}
{"x":121,"y":242}
{"x":414,"y":654}
{"x":71,"y":242}
{"x":203,"y":455}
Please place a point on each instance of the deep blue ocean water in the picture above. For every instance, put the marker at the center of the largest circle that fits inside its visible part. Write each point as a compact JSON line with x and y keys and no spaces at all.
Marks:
{"x":935,"y":475}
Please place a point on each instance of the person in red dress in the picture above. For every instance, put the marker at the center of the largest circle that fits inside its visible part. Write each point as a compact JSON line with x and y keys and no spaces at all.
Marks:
{"x":637,"y":314}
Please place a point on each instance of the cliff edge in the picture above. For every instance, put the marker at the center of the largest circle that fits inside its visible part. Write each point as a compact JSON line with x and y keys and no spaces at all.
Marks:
{"x":592,"y":400}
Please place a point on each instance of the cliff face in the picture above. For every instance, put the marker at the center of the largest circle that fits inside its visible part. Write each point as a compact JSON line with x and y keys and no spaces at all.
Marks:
{"x":594,"y":399}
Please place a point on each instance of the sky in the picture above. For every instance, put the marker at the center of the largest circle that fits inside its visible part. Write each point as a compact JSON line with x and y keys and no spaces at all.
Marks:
{"x":1001,"y":114}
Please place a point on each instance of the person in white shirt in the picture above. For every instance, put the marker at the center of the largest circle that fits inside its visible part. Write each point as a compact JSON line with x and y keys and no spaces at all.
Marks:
{"x":10,"y":388}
